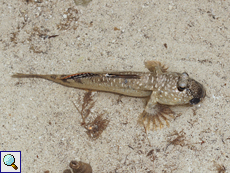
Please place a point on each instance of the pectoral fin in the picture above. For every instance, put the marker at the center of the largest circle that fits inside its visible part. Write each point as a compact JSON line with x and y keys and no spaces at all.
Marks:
{"x":155,"y":115}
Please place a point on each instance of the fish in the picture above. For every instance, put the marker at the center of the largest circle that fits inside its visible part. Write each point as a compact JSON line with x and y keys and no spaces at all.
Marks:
{"x":162,"y":88}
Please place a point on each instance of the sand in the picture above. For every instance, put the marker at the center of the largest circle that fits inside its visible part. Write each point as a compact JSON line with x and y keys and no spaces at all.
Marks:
{"x":39,"y":119}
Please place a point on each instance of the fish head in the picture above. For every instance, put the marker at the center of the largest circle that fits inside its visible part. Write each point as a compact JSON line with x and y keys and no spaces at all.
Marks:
{"x":194,"y":90}
{"x":179,"y":89}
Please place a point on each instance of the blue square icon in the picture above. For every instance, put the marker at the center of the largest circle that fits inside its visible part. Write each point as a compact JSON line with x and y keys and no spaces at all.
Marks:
{"x":10,"y":161}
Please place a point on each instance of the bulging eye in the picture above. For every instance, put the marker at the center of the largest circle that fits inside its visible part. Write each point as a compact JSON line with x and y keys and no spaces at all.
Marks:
{"x":181,"y":88}
{"x":183,"y":81}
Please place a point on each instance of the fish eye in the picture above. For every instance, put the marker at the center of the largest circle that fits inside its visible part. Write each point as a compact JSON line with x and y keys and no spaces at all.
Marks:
{"x":181,"y":88}
{"x":183,"y":81}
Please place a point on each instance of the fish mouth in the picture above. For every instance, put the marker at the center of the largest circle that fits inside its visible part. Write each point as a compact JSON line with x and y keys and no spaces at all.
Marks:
{"x":194,"y":101}
{"x":197,"y":100}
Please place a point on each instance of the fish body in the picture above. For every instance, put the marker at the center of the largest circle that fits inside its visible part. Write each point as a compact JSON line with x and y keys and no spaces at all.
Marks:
{"x":162,"y":88}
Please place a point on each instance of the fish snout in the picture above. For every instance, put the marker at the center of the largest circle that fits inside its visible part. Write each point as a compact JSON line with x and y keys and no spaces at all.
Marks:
{"x":197,"y":90}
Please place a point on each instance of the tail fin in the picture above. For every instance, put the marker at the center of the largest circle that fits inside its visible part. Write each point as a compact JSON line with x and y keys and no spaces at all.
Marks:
{"x":21,"y":75}
{"x":53,"y":77}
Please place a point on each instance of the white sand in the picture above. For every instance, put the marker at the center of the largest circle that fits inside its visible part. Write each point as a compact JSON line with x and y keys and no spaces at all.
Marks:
{"x":39,"y":119}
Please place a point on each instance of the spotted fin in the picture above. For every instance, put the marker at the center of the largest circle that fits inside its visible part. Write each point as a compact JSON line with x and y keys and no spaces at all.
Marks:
{"x":155,"y":66}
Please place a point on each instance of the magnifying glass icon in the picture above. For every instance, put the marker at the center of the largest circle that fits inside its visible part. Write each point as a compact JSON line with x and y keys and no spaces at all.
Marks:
{"x":9,"y":160}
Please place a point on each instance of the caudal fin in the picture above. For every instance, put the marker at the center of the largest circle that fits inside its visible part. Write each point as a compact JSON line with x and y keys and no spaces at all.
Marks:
{"x":21,"y":75}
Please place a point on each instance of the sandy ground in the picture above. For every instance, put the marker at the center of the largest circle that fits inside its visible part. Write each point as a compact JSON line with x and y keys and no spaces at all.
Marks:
{"x":38,"y":117}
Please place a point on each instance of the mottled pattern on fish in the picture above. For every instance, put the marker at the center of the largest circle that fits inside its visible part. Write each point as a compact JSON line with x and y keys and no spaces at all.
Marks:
{"x":162,"y":87}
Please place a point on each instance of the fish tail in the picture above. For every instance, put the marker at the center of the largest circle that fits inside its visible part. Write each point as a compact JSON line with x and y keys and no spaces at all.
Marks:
{"x":48,"y":77}
{"x":21,"y":75}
